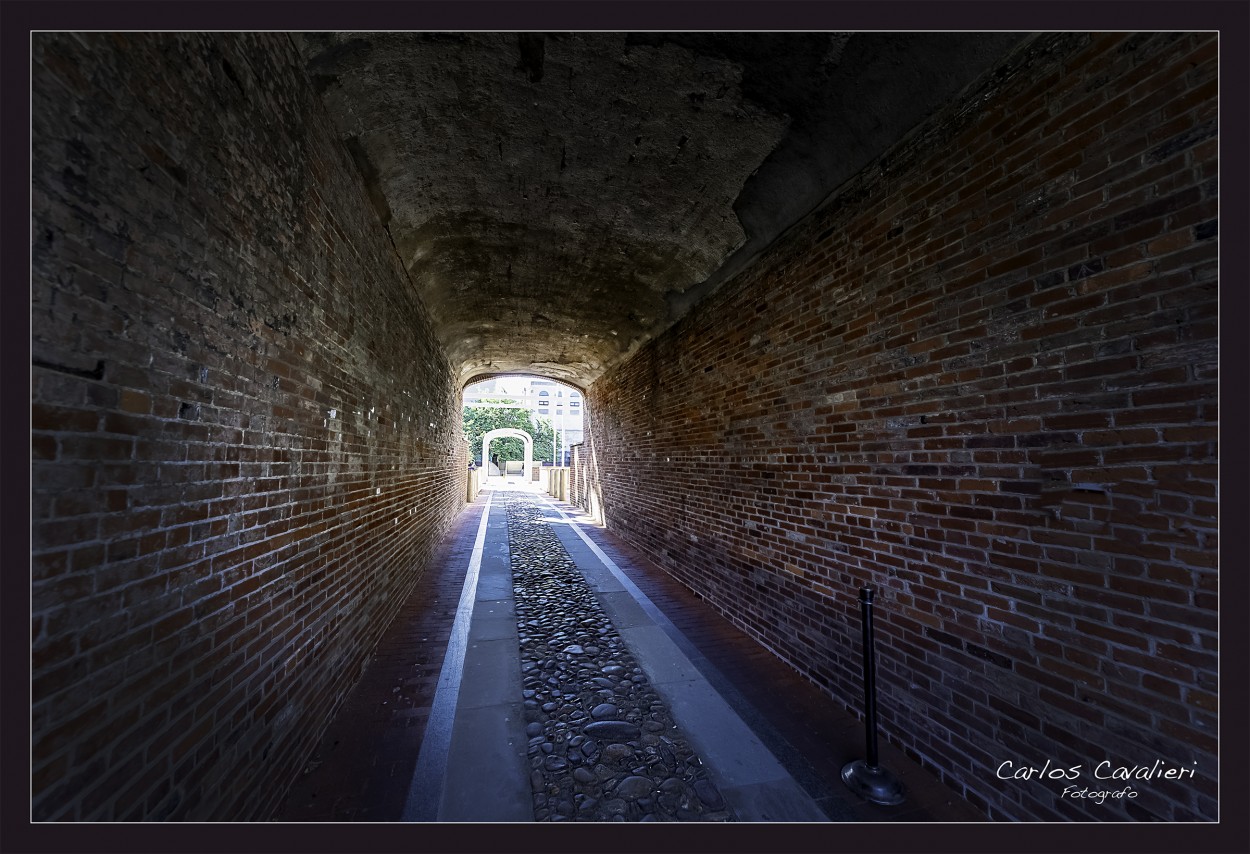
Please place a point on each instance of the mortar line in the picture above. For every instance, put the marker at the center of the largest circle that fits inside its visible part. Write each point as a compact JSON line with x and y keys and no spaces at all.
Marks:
{"x":425,"y":792}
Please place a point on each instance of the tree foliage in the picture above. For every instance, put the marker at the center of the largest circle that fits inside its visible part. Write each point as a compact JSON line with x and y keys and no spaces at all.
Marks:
{"x":480,"y":420}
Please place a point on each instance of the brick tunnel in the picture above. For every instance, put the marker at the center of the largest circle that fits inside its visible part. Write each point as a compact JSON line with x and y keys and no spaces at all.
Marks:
{"x":934,"y":313}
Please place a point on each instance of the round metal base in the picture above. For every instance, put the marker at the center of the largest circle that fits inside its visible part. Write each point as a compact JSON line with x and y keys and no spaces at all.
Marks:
{"x":875,"y":784}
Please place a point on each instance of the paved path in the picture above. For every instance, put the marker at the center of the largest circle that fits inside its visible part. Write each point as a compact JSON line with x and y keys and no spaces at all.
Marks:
{"x":597,"y":689}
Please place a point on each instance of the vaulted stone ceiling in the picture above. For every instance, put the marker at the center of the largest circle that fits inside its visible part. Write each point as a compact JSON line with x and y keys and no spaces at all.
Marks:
{"x":559,"y":199}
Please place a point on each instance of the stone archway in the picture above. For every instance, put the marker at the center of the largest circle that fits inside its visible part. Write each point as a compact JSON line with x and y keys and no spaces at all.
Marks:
{"x":526,"y":438}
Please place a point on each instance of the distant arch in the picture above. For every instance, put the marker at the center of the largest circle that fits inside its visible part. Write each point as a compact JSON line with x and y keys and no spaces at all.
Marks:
{"x":526,"y":438}
{"x":495,"y":375}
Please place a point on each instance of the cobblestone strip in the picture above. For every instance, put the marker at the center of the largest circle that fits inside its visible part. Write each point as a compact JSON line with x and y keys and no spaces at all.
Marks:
{"x":602,"y":745}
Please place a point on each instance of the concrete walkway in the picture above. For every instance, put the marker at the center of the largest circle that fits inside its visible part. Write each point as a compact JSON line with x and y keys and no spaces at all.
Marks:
{"x":774,"y":756}
{"x":472,"y":764}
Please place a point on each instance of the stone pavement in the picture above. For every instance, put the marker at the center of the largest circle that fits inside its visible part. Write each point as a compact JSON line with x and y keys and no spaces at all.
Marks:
{"x":541,"y":670}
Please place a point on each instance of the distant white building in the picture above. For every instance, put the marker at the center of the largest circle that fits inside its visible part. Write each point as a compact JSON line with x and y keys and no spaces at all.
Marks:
{"x":562,"y":405}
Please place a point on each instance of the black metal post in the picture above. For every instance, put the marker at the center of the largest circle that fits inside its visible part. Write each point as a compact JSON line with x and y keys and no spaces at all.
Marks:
{"x":870,"y":675}
{"x":866,"y":777}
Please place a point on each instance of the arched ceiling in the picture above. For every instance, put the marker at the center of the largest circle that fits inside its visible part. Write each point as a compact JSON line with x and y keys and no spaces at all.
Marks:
{"x":559,"y":199}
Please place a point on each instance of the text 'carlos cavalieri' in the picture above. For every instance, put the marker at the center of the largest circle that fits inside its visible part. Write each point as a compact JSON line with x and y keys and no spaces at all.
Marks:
{"x":1103,"y":771}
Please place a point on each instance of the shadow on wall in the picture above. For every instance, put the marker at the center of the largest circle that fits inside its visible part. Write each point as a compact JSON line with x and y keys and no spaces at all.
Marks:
{"x":231,"y":495}
{"x":992,"y":395}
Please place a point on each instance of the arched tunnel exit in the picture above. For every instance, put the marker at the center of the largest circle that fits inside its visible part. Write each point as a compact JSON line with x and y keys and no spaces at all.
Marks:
{"x":961,"y":348}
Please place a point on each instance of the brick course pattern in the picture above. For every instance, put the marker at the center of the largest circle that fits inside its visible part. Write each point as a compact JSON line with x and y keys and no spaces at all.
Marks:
{"x":246,"y":440}
{"x":579,"y":483}
{"x":982,"y":378}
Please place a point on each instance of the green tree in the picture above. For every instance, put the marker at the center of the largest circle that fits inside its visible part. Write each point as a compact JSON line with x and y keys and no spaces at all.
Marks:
{"x":480,"y":420}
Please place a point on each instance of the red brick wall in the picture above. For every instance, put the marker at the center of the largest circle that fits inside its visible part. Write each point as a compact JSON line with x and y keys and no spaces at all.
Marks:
{"x":577,"y":477}
{"x":246,"y":439}
{"x":983,"y":378}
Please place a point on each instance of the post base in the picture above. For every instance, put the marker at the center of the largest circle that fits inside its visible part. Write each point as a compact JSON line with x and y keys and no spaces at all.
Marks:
{"x":873,"y":783}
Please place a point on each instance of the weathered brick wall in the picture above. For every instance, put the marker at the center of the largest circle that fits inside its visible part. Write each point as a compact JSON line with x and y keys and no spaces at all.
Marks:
{"x":246,"y":439}
{"x":984,"y":380}
{"x":577,"y":477}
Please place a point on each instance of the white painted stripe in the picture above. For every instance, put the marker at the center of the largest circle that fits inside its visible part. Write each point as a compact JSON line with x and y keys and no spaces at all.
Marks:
{"x":749,"y":776}
{"x":647,"y":605}
{"x":425,"y":793}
